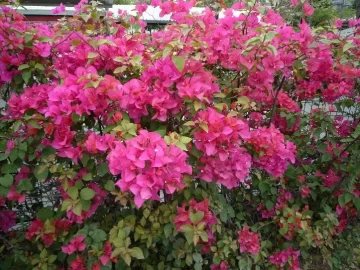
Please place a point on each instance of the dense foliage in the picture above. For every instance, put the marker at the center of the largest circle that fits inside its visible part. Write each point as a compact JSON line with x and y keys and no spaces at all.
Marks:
{"x":218,"y":142}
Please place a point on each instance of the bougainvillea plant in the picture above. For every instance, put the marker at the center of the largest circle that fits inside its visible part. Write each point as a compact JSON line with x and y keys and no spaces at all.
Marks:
{"x":224,"y":141}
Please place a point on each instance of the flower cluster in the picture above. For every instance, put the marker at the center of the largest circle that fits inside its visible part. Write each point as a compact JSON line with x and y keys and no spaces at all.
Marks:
{"x":76,"y":244}
{"x":289,"y":256}
{"x":147,"y":165}
{"x":274,"y":153}
{"x":330,"y":179}
{"x":219,"y":138}
{"x":220,"y":266}
{"x":249,"y":241}
{"x":7,"y":220}
{"x":48,"y":231}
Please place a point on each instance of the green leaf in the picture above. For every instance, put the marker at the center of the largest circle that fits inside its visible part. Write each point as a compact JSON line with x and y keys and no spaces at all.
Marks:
{"x":77,"y":209}
{"x":252,"y":40}
{"x":44,"y":39}
{"x":136,"y":60}
{"x":284,"y":229}
{"x":269,"y":205}
{"x":9,"y":168}
{"x":23,"y":66}
{"x":185,"y":140}
{"x":348,"y":46}
{"x":204,"y":236}
{"x":161,"y":131}
{"x":34,"y":123}
{"x":127,"y":258}
{"x":348,"y":197}
{"x":41,"y":172}
{"x":116,"y":252}
{"x":47,"y":151}
{"x":168,"y":228}
{"x":85,"y":159}
{"x":102,"y":169}
{"x":167,"y":50}
{"x":197,"y":257}
{"x":120,"y":69}
{"x":216,"y":260}
{"x":26,"y":75}
{"x":272,"y":49}
{"x":109,"y":186}
{"x":196,"y":217}
{"x":39,"y":66}
{"x":4,"y":191}
{"x":189,"y":236}
{"x":79,"y":184}
{"x":357,"y":203}
{"x":73,"y":192}
{"x":7,"y":180}
{"x":326,"y":157}
{"x":98,"y":235}
{"x":137,"y":253}
{"x":87,"y":194}
{"x":92,"y":55}
{"x":24,"y":185}
{"x":344,"y":199}
{"x":197,"y":105}
{"x":52,"y":258}
{"x":3,"y":156}
{"x":179,"y":62}
{"x":263,"y":186}
{"x":87,"y":177}
{"x":85,"y":205}
{"x":44,"y":214}
{"x":204,"y":126}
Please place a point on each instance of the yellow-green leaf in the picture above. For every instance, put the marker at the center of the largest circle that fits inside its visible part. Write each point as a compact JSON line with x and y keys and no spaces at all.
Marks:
{"x":179,"y":62}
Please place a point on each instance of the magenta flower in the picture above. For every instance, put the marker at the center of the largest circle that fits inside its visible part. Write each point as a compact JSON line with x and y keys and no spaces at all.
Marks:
{"x":294,"y":3}
{"x":7,"y":220}
{"x":10,"y":145}
{"x":58,"y":10}
{"x":308,"y":9}
{"x":147,"y":165}
{"x":141,"y":8}
{"x":249,"y":241}
{"x":76,"y":244}
{"x":274,"y":153}
{"x":289,"y":256}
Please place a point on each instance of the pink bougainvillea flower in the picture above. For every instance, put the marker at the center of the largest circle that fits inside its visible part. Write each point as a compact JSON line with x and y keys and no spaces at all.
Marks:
{"x":7,"y":220}
{"x":42,"y":49}
{"x":339,"y":23}
{"x":147,"y":165}
{"x":274,"y":152}
{"x":249,"y":241}
{"x":305,"y":191}
{"x":308,"y":9}
{"x":76,"y":244}
{"x":221,"y":266}
{"x":10,"y":145}
{"x":289,"y":256}
{"x":105,"y":257}
{"x":78,"y":263}
{"x":141,"y":8}
{"x":294,"y":3}
{"x":58,"y":10}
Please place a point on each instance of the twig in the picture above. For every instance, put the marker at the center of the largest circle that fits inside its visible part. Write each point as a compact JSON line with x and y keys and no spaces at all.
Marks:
{"x":100,"y":126}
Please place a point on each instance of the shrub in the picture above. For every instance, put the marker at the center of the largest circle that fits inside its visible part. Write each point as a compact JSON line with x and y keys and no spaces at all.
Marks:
{"x":218,"y":142}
